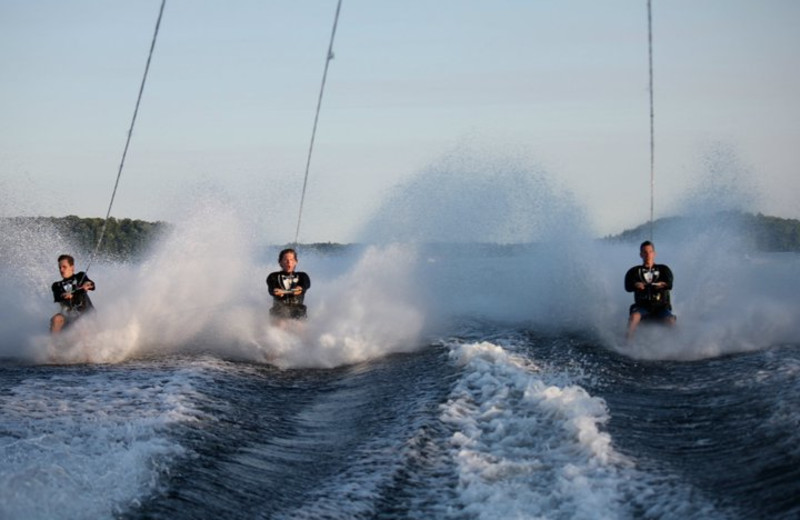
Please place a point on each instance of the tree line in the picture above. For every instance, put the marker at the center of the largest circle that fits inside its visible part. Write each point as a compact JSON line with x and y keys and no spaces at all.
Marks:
{"x":124,"y":239}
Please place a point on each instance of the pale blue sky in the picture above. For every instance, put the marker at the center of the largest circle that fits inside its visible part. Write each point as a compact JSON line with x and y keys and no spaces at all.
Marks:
{"x":233,"y":86}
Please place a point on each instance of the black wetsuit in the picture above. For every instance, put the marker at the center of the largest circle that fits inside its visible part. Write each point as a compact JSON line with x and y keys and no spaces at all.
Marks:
{"x":655,"y":302}
{"x":80,"y":302}
{"x":290,"y":305}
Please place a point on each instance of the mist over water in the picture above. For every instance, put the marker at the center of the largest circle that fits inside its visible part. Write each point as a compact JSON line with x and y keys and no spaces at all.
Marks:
{"x":452,"y":210}
{"x":487,"y":238}
{"x":724,"y":183}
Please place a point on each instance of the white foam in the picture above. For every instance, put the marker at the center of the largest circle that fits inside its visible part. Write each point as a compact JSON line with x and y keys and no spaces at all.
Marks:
{"x":88,"y":446}
{"x":526,"y":448}
{"x":529,"y":443}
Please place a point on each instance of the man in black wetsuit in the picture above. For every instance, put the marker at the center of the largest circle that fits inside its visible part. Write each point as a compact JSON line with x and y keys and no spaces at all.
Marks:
{"x":71,"y":294}
{"x":650,"y":284}
{"x":288,"y":288}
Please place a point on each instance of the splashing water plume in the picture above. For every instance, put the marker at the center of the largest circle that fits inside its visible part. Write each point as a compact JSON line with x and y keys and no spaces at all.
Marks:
{"x":729,"y":297}
{"x":202,"y":290}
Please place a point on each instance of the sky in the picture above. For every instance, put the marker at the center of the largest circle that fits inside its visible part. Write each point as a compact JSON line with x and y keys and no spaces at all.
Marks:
{"x":229,"y":104}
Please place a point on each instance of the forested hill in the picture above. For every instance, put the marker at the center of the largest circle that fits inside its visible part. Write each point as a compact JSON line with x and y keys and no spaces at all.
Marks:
{"x":124,"y":239}
{"x":771,"y":234}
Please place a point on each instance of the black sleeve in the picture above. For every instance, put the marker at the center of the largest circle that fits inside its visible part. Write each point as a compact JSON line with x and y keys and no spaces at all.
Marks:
{"x":631,"y":278}
{"x":271,"y":282}
{"x":82,"y":279}
{"x":56,"y":287}
{"x":666,"y":276}
{"x":305,"y":281}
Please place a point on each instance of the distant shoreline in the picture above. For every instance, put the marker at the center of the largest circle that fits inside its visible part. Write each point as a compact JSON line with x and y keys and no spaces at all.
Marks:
{"x":127,"y":239}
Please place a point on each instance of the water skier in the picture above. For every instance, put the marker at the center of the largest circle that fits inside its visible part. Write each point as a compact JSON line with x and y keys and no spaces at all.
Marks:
{"x":71,"y":294}
{"x":288,"y":288}
{"x":650,"y":284}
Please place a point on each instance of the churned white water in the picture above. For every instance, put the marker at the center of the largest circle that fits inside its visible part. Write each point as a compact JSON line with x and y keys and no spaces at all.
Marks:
{"x":88,"y":446}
